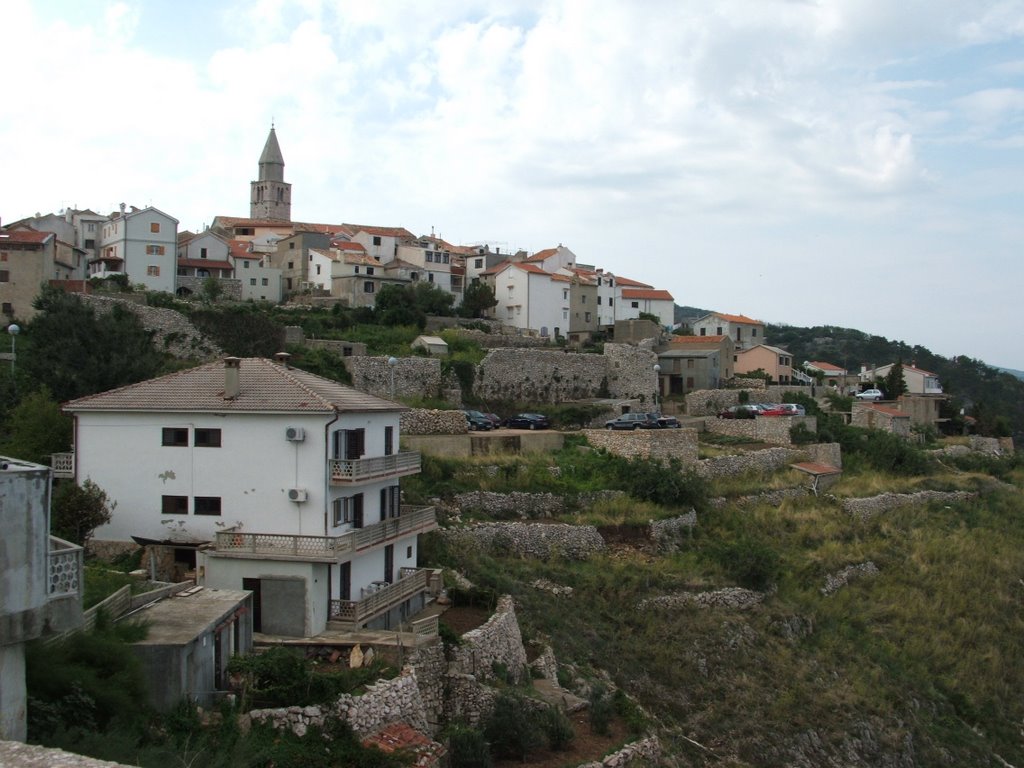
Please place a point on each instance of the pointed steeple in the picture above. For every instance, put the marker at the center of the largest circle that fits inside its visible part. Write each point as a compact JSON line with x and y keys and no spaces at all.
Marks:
{"x":271,"y":196}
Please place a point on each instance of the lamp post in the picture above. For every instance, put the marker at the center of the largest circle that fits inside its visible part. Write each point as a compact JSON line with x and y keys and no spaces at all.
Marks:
{"x":13,"y":330}
{"x":392,"y":362}
{"x":657,"y":385}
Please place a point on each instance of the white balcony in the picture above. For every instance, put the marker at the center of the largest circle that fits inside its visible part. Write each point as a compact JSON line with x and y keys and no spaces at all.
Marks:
{"x":63,"y":465}
{"x":347,"y":471}
{"x":411,"y":582}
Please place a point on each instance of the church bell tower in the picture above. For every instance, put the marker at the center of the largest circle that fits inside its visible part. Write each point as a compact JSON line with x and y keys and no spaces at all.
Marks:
{"x":271,"y":195}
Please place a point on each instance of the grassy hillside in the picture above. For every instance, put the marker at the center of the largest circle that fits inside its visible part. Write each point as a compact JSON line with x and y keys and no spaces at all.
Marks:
{"x":920,"y":665}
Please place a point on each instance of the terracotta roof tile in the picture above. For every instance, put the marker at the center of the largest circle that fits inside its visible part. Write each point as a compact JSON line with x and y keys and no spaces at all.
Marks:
{"x":265,"y":387}
{"x":24,"y":236}
{"x":826,"y":366}
{"x":893,"y":412}
{"x":240,"y":249}
{"x":649,"y":294}
{"x":542,"y":255}
{"x":626,"y":282}
{"x":737,"y":318}
{"x":399,"y":232}
{"x":716,"y":340}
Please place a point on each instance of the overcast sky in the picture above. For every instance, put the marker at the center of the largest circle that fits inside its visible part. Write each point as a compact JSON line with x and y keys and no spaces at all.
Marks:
{"x":842,"y":162}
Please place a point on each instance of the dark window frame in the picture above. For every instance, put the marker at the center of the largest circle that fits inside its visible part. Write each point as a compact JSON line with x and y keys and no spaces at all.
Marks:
{"x":173,"y":505}
{"x":174,"y":437}
{"x":203,"y":437}
{"x":209,"y":506}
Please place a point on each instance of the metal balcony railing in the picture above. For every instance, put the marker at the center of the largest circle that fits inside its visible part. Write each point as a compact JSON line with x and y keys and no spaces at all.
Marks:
{"x":345,"y":471}
{"x":64,"y":576}
{"x":333,"y":549}
{"x":358,"y":612}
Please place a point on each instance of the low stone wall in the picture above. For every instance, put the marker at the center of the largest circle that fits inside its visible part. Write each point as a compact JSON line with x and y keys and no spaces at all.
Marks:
{"x":836,"y":581}
{"x":647,"y":749}
{"x":655,"y":444}
{"x":533,"y":375}
{"x":741,"y":382}
{"x":526,"y":506}
{"x":431,"y":666}
{"x":497,"y":642}
{"x":669,"y":534}
{"x":825,"y":453}
{"x":708,"y":402}
{"x":503,"y":340}
{"x":468,"y":700}
{"x":537,"y":540}
{"x":230,"y":287}
{"x":868,"y":507}
{"x":428,"y":421}
{"x":18,"y":755}
{"x":774,"y":498}
{"x":767,"y":460}
{"x":735,"y":598}
{"x":413,"y":376}
{"x":768,"y":429}
{"x":546,"y":664}
{"x":172,"y":331}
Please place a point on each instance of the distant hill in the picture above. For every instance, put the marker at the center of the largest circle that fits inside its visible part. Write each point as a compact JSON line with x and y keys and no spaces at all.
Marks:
{"x":1012,"y":372}
{"x":686,"y":314}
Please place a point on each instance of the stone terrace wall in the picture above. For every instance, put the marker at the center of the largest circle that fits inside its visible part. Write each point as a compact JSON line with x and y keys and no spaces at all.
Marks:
{"x":498,"y":641}
{"x":767,"y":460}
{"x":769,"y":429}
{"x":502,"y":340}
{"x":431,"y":667}
{"x":541,"y":541}
{"x":425,"y":421}
{"x":172,"y":331}
{"x":231,"y":288}
{"x":548,"y":376}
{"x":656,"y":444}
{"x":647,"y":750}
{"x":708,"y":402}
{"x":825,"y":453}
{"x":527,"y":506}
{"x":414,"y":376}
{"x":870,"y":506}
{"x":631,"y":370}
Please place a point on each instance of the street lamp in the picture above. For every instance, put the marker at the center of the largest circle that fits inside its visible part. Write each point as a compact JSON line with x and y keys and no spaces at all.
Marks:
{"x":392,"y":362}
{"x":14,"y":330}
{"x":657,"y":384}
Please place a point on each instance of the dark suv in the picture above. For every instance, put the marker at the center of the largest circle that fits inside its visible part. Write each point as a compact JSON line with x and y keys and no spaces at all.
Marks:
{"x":634,"y":421}
{"x":478,"y":422}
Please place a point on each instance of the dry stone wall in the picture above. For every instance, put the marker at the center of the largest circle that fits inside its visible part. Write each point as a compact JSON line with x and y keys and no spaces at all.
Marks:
{"x":527,"y":506}
{"x":550,"y":376}
{"x":655,"y":444}
{"x":836,"y":581}
{"x":669,"y":534}
{"x":868,"y":507}
{"x":647,"y":751}
{"x":172,"y":331}
{"x":536,"y":540}
{"x":413,"y":376}
{"x":631,"y":370}
{"x":429,"y":421}
{"x":825,"y":453}
{"x":767,"y":460}
{"x":769,"y":429}
{"x":735,"y":598}
{"x":708,"y":402}
{"x":230,"y":287}
{"x":497,"y":642}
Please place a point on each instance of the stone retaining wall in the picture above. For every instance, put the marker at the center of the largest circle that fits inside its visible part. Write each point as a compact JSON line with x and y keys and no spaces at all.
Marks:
{"x":230,"y":287}
{"x":657,"y":444}
{"x":825,"y":453}
{"x":868,"y":507}
{"x":172,"y":331}
{"x":548,"y":376}
{"x":414,"y":377}
{"x":836,"y":581}
{"x":429,"y":421}
{"x":631,"y":370}
{"x":774,"y":498}
{"x":537,"y":540}
{"x":708,"y":402}
{"x":767,"y":460}
{"x":502,"y":340}
{"x":526,"y":506}
{"x":647,"y":749}
{"x":768,"y":429}
{"x":735,"y":598}
{"x":669,"y":534}
{"x":497,"y":642}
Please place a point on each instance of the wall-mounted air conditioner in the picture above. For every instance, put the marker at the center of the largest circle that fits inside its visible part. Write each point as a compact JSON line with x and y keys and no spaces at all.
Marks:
{"x":295,"y":434}
{"x":297,"y":495}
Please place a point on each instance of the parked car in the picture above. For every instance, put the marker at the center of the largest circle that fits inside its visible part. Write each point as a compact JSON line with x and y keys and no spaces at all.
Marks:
{"x":494,"y":418}
{"x":477,"y":421}
{"x":747,"y":411}
{"x":528,"y":421}
{"x":869,"y":394}
{"x":634,"y":421}
{"x":783,"y":409}
{"x":667,"y":422}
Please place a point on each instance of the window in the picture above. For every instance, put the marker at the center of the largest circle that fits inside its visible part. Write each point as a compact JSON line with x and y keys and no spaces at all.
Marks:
{"x":90,"y":227}
{"x":291,"y":246}
{"x":7,"y":308}
{"x":252,"y":281}
{"x":414,"y":276}
{"x":689,"y":363}
{"x":376,"y":240}
{"x":611,"y":302}
{"x":174,"y":505}
{"x":348,"y":444}
{"x":478,"y":264}
{"x":389,"y":440}
{"x":430,"y":277}
{"x":718,"y":331}
{"x":245,"y":264}
{"x":368,"y":286}
{"x":265,"y":281}
{"x":153,"y":270}
{"x":291,"y":265}
{"x":565,"y":295}
{"x":154,"y":226}
{"x":703,"y":331}
{"x":206,"y":505}
{"x":598,"y":301}
{"x":5,"y":276}
{"x":357,"y":270}
{"x":174,"y":436}
{"x":587,"y":319}
{"x":389,"y":498}
{"x":583,"y":298}
{"x":408,"y":553}
{"x":206,"y":438}
{"x":318,"y":269}
{"x":154,"y":250}
{"x":90,"y":245}
{"x":430,"y":256}
{"x":369,"y":270}
{"x":445,"y":258}
{"x":202,"y":253}
{"x":635,"y":304}
{"x":753,"y":333}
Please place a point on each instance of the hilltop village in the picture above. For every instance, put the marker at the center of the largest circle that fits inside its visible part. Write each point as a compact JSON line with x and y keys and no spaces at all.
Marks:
{"x":686,"y":494}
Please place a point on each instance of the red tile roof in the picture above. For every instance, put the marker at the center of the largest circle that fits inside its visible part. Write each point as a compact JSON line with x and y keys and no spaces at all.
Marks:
{"x":697,"y":339}
{"x":296,"y":226}
{"x":205,"y":264}
{"x":625,"y":281}
{"x":826,"y":366}
{"x":345,"y":245}
{"x":24,"y":236}
{"x":737,"y":318}
{"x":399,"y":232}
{"x":239,"y":249}
{"x":542,"y":255}
{"x":649,"y":294}
{"x":894,"y":412}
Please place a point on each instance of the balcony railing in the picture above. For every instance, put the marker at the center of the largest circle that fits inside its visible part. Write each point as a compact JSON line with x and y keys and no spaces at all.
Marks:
{"x":64,"y":577}
{"x":344,"y":471}
{"x":63,"y":464}
{"x":358,"y":612}
{"x":325,"y":548}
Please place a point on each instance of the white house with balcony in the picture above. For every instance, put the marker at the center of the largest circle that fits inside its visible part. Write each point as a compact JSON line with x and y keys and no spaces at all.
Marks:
{"x":275,"y":480}
{"x":918,"y":381}
{"x":142,"y":244}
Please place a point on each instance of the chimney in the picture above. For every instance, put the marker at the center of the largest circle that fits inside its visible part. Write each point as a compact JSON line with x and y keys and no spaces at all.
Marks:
{"x":232,"y":369}
{"x":282,"y":358}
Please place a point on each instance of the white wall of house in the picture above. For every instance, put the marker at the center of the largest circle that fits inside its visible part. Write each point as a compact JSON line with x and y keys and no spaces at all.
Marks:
{"x":259,"y":283}
{"x":321,"y":268}
{"x":204,"y":246}
{"x":380,"y":247}
{"x":147,"y":242}
{"x":606,"y":293}
{"x":630,"y":309}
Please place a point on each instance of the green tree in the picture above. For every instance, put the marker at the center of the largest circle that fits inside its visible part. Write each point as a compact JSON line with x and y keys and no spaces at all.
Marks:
{"x":38,"y":428}
{"x":893,"y":383}
{"x":211,"y":290}
{"x":77,"y":352}
{"x":78,"y":510}
{"x":477,"y":299}
{"x":653,"y":318}
{"x":396,"y":305}
{"x":432,"y":300}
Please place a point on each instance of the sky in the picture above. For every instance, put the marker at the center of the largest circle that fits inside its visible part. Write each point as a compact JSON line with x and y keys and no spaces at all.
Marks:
{"x":857,"y":163}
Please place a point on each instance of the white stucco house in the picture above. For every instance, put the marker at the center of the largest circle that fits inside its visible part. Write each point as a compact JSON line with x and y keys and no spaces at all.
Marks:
{"x":142,"y":244}
{"x":275,"y":480}
{"x":744,"y":331}
{"x":530,"y":298}
{"x":633,"y":301}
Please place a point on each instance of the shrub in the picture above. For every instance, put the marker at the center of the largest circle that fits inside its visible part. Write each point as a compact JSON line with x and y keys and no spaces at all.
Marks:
{"x":512,"y":728}
{"x":78,"y":510}
{"x":467,"y":748}
{"x":602,"y":709}
{"x":801,"y":435}
{"x":557,"y":728}
{"x":750,"y":562}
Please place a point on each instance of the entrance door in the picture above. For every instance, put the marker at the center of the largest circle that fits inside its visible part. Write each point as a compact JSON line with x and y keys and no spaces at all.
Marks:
{"x":389,"y":563}
{"x":253,"y":585}
{"x":345,"y":588}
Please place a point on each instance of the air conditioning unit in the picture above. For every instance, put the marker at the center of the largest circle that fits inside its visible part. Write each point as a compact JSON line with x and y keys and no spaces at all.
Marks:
{"x":295,"y":434}
{"x":297,"y":495}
